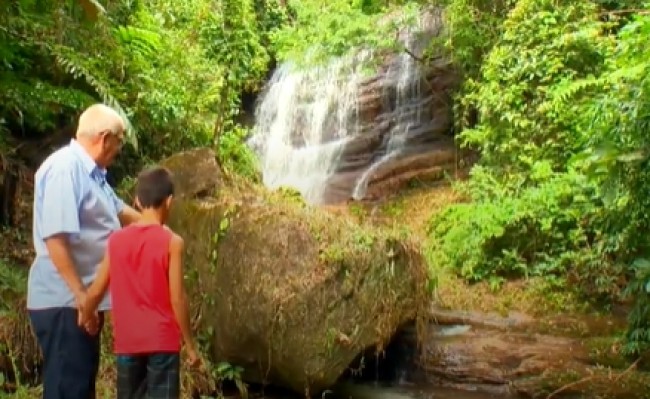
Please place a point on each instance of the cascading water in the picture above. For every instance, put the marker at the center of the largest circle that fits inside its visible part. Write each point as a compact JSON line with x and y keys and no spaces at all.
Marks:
{"x":408,"y":77}
{"x":328,"y":131}
{"x":305,"y":119}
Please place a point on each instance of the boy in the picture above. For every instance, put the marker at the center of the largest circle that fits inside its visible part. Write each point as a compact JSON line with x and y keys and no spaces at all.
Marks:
{"x":143,"y":263}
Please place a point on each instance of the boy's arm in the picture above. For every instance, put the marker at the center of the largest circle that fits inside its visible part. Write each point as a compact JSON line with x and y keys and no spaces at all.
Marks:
{"x":98,"y":288}
{"x":177,"y":290}
{"x":94,"y":295}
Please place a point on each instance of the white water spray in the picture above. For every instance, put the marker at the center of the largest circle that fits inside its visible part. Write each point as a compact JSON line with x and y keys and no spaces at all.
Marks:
{"x":304,"y":121}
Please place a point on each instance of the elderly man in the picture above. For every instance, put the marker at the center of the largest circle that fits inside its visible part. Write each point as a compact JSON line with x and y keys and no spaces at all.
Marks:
{"x":75,"y":210}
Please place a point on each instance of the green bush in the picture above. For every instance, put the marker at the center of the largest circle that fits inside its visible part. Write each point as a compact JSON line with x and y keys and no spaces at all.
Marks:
{"x":561,"y":190}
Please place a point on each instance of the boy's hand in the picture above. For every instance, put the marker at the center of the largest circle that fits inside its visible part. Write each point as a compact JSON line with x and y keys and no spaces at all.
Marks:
{"x":86,"y":320}
{"x":91,"y":325}
{"x":89,"y":322}
{"x":193,"y":359}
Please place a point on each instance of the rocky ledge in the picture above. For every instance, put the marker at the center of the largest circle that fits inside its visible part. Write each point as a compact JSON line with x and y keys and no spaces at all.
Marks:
{"x":559,"y":357}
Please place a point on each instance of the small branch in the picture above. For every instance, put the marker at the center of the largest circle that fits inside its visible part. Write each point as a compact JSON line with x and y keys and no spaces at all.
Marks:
{"x":415,"y":57}
{"x":626,"y":11}
{"x":627,"y":370}
{"x":593,"y":377}
{"x":567,"y":386}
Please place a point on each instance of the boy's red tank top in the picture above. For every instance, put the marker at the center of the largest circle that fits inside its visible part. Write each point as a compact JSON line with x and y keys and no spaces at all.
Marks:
{"x":142,"y":314}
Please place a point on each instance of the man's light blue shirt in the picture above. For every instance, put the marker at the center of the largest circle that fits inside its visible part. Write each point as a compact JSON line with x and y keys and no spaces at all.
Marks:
{"x":71,"y":196}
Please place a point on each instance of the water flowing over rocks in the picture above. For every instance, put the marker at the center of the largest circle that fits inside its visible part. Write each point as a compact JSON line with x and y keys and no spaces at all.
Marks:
{"x":337,"y":132}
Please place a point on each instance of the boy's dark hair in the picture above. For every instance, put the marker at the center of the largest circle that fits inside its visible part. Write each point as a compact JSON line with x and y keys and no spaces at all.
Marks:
{"x":154,"y":186}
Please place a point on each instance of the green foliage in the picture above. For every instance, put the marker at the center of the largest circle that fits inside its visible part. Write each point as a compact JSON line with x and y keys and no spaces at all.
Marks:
{"x":473,"y":27}
{"x":231,"y":38}
{"x":517,"y":128}
{"x":613,"y":107}
{"x":638,"y":335}
{"x":13,"y":280}
{"x":528,"y":213}
{"x":501,"y":236}
{"x":175,"y":70}
{"x":32,"y":96}
{"x":561,"y":190}
{"x":545,"y":230}
{"x":321,"y":30}
{"x":225,"y":371}
{"x":618,"y":115}
{"x":235,"y":156}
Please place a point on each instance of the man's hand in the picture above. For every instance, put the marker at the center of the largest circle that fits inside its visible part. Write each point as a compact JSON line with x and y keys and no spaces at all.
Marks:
{"x":128,"y":216}
{"x":80,"y":303}
{"x":80,"y":298}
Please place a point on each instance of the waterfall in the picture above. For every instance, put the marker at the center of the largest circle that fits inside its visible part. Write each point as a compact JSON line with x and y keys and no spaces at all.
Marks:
{"x":327,"y":131}
{"x":303,"y":122}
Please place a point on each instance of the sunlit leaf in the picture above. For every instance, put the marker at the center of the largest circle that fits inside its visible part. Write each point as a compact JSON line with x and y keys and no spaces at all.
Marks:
{"x":92,"y":8}
{"x":632,"y":156}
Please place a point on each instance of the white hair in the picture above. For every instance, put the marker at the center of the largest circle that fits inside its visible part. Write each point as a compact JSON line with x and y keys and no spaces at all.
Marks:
{"x":99,"y":118}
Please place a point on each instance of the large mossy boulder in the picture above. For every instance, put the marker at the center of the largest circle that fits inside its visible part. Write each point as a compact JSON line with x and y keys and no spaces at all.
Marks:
{"x":291,"y":293}
{"x":196,"y":172}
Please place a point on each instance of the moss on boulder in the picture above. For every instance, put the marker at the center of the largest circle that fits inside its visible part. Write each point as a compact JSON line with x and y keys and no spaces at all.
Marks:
{"x":196,"y":172}
{"x":290,"y":293}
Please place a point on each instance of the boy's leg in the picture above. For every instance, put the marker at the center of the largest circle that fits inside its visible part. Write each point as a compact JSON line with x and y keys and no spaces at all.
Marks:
{"x":163,"y":376}
{"x":131,"y":376}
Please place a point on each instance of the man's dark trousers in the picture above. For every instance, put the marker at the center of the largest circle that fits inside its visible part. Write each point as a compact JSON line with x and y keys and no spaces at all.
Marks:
{"x":70,"y":354}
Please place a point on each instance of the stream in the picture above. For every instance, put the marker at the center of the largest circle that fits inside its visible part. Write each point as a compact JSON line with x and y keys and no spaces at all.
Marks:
{"x":415,"y":391}
{"x":398,"y":376}
{"x":348,"y":390}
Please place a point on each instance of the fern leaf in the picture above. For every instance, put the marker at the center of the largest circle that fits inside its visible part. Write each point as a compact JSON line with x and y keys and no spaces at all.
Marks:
{"x":78,"y":71}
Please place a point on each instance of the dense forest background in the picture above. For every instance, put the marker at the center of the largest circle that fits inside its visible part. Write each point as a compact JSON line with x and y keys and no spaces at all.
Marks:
{"x":556,"y":99}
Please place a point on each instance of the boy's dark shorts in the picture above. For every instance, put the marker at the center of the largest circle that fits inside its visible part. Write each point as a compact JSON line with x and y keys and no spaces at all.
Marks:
{"x":151,"y":376}
{"x":71,"y":356}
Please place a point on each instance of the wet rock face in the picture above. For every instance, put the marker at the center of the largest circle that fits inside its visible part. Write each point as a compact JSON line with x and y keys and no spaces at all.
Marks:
{"x":496,"y":361}
{"x":527,"y":357}
{"x":429,"y":163}
{"x":377,"y":161}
